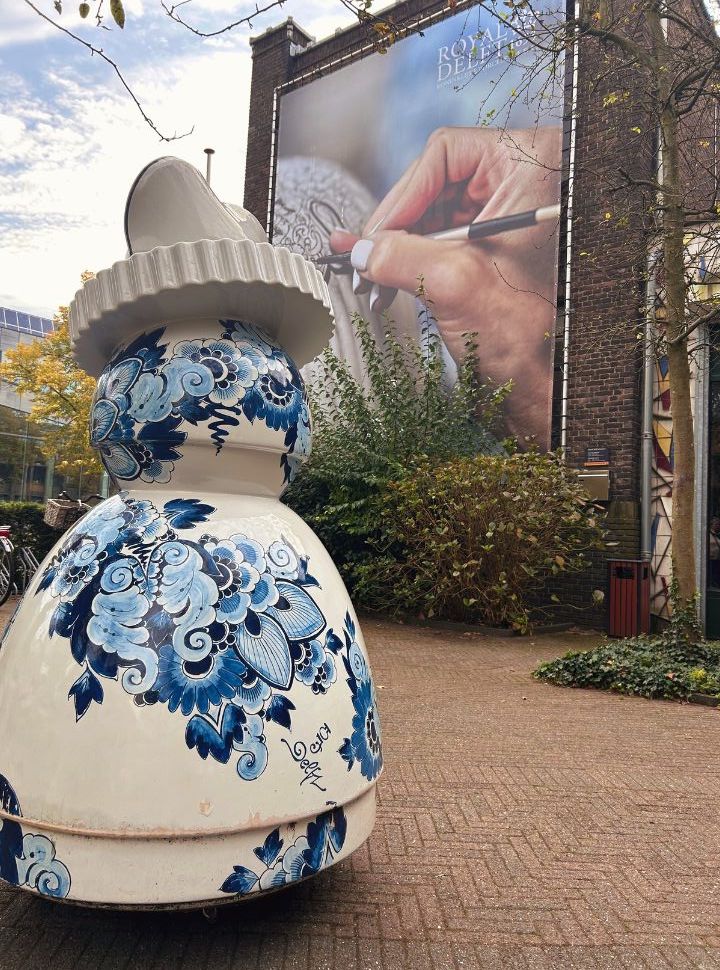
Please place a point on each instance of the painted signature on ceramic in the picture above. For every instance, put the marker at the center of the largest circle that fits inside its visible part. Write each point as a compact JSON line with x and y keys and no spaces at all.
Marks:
{"x":311,"y":769}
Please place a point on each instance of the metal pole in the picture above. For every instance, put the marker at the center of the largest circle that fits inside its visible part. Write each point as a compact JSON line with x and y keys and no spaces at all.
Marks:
{"x":568,"y":249}
{"x":49,"y":477}
{"x":24,"y":462}
{"x":647,"y":415}
{"x":208,"y":167}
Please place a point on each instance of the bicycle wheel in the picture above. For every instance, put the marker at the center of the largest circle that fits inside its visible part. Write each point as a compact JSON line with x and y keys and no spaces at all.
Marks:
{"x":7,"y":569}
{"x":26,"y":565}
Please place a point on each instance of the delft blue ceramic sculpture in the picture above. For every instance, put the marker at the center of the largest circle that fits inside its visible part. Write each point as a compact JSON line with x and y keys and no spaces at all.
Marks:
{"x":186,"y":705}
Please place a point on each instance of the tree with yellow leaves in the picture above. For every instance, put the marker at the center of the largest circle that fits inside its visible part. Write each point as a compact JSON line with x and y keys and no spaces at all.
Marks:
{"x":61,"y":394}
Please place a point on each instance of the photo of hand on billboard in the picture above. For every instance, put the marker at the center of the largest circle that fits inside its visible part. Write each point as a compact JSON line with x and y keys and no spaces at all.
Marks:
{"x":501,"y":288}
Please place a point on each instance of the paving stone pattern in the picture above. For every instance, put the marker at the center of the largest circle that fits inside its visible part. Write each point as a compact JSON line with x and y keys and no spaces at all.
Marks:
{"x":520,"y":826}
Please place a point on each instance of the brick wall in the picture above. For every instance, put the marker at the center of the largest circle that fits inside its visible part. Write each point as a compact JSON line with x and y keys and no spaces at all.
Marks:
{"x":272,"y":66}
{"x":607,"y":307}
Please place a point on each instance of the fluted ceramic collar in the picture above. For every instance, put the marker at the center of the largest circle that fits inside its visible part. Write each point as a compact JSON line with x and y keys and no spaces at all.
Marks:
{"x":171,"y":276}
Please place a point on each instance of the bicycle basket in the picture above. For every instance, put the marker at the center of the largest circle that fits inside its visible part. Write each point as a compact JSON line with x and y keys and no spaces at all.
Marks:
{"x":60,"y":513}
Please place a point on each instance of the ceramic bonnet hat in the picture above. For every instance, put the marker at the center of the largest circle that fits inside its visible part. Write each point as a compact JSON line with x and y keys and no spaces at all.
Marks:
{"x":191,"y":255}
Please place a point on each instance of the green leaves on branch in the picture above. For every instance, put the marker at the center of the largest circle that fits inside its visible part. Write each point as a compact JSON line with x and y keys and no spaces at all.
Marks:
{"x":643,"y":666}
{"x":673,"y":663}
{"x":118,"y":12}
{"x":477,"y":539}
{"x":418,"y":502}
{"x":368,"y":435}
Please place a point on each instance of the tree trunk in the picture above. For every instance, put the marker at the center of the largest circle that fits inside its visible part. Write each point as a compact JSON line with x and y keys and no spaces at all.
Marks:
{"x":673,"y":233}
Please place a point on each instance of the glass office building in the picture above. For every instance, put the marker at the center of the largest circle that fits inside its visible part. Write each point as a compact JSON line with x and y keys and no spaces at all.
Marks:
{"x":26,"y":474}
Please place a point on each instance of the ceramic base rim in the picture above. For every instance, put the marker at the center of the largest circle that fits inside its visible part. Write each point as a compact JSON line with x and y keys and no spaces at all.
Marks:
{"x":92,"y":886}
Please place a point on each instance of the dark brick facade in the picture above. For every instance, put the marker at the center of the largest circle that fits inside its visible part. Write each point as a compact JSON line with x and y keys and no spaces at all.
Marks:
{"x":607,"y":287}
{"x":607,"y":305}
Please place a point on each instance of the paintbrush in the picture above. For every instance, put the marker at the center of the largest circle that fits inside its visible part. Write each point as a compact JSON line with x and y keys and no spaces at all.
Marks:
{"x":470,"y":232}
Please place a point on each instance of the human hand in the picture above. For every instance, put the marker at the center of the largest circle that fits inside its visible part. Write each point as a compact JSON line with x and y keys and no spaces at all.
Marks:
{"x":503,"y":287}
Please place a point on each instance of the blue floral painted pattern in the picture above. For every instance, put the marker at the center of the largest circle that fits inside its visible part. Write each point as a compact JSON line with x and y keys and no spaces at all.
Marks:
{"x":364,"y":746}
{"x":308,"y":854}
{"x":25,"y":859}
{"x":149,"y":393}
{"x":217,"y":629}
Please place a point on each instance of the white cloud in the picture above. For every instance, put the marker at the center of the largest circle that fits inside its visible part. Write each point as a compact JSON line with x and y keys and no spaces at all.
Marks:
{"x":73,"y":141}
{"x":64,"y":206}
{"x":21,"y":26}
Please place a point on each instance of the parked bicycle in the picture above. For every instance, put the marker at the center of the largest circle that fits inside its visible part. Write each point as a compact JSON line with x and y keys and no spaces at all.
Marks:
{"x":19,"y":564}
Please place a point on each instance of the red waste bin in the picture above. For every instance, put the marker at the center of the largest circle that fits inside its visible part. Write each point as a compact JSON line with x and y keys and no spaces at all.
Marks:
{"x":629,"y":597}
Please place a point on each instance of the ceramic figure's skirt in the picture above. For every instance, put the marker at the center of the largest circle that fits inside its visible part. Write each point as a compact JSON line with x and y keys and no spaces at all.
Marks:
{"x":186,"y":705}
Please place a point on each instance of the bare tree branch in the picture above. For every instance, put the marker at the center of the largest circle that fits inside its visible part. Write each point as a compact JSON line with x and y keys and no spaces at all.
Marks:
{"x":244,"y":21}
{"x":108,"y":60}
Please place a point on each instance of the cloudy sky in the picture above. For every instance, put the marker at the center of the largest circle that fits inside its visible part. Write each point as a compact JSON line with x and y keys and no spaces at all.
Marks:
{"x":71,"y":141}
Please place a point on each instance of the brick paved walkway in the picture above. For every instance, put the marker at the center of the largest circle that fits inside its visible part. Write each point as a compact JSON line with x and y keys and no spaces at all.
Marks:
{"x":520,"y":826}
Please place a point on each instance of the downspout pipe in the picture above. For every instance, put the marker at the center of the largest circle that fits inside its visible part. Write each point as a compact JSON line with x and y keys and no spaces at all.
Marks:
{"x":567,"y":316}
{"x":647,"y":409}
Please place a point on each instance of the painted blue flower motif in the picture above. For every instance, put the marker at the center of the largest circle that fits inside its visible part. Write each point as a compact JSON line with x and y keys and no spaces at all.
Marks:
{"x":28,"y":860}
{"x":86,"y":544}
{"x":253,"y":341}
{"x":253,"y":695}
{"x":217,"y":629}
{"x":316,"y":667}
{"x":365,"y":742}
{"x":364,"y":746}
{"x":307,"y":855}
{"x":75,"y":568}
{"x":148,"y":525}
{"x":242,"y":582}
{"x":151,"y":461}
{"x":283,"y":561}
{"x":112,"y":400}
{"x":231,"y":372}
{"x":197,"y":685}
{"x":276,"y":398}
{"x":147,"y":394}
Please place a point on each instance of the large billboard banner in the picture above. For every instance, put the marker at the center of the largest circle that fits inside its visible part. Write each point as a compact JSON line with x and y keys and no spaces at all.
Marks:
{"x":443,"y":132}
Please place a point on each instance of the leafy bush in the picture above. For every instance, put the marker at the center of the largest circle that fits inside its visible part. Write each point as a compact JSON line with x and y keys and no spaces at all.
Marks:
{"x":28,"y":526}
{"x":366,"y":435}
{"x":674,"y":663}
{"x":476,"y":539}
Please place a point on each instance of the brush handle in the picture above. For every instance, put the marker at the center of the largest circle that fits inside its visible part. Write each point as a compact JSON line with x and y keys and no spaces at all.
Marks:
{"x":476,"y":230}
{"x":493,"y":227}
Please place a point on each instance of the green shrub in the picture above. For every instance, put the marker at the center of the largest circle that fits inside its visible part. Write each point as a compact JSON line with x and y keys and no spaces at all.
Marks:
{"x":476,"y":539}
{"x":672,"y":664}
{"x":367,"y":435}
{"x":28,"y":526}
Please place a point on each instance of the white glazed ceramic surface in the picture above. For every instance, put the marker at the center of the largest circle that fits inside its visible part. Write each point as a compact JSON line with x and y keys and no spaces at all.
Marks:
{"x":186,"y":704}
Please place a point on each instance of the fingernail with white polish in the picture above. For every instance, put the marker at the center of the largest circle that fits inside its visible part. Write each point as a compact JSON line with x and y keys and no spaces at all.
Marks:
{"x":359,"y":283}
{"x":360,"y":254}
{"x":381,"y":298}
